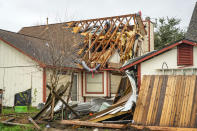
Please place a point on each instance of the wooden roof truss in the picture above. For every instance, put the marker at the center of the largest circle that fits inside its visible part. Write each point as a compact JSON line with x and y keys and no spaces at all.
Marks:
{"x":104,"y":36}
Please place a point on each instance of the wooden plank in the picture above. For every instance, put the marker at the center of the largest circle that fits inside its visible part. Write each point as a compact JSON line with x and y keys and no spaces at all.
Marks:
{"x":185,"y":100}
{"x":189,"y":103}
{"x":92,"y":124}
{"x":58,"y":97}
{"x":10,"y":119}
{"x":60,"y":92}
{"x":141,"y":92}
{"x":160,"y":128}
{"x":102,"y":112}
{"x":175,"y":99}
{"x":107,"y":116}
{"x":166,"y":101}
{"x":194,"y":107}
{"x":171,"y":100}
{"x":156,"y":102}
{"x":161,"y":100}
{"x":143,"y":101}
{"x":180,"y":101}
{"x":12,"y":123}
{"x":136,"y":112}
{"x":152,"y":100}
{"x":147,"y":100}
{"x":34,"y":123}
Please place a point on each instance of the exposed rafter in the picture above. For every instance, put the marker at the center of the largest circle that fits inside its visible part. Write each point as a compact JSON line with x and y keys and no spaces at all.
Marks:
{"x":103,"y":36}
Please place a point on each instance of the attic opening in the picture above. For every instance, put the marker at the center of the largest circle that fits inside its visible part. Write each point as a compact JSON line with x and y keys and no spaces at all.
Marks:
{"x":185,"y":55}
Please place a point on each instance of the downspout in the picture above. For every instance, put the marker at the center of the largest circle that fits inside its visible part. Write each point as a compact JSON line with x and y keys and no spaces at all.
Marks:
{"x":90,"y":69}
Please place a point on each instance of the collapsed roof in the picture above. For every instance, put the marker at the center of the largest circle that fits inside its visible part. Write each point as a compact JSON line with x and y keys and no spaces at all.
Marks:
{"x":102,"y":37}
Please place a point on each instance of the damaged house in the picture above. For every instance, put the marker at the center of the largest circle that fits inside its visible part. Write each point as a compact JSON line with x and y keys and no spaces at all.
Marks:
{"x":99,"y":48}
{"x":108,"y":43}
{"x":167,"y":82}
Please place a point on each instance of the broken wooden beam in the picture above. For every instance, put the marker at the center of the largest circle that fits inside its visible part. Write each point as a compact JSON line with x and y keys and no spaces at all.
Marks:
{"x":10,"y":119}
{"x":118,"y":122}
{"x":92,"y":124}
{"x":58,"y":97}
{"x":44,"y":110}
{"x":34,"y":123}
{"x":12,"y":123}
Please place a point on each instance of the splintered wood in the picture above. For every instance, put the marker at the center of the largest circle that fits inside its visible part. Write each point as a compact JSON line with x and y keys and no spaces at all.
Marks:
{"x":104,"y":36}
{"x":167,"y":101}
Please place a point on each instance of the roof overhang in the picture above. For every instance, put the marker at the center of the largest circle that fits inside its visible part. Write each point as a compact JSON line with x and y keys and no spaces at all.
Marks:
{"x":158,"y":53}
{"x":41,"y":64}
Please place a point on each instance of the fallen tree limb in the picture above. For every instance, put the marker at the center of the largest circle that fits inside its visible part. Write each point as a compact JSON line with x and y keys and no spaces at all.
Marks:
{"x":92,"y":124}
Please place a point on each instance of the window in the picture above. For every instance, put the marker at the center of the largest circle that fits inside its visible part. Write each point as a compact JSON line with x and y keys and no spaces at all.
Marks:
{"x":115,"y":81}
{"x":94,"y":85}
{"x":185,"y":55}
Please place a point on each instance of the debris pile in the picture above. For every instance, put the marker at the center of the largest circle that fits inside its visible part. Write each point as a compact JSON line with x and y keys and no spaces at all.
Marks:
{"x":97,"y":113}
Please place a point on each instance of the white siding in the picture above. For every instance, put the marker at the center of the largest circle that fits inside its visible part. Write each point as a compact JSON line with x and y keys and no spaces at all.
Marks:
{"x":15,"y":79}
{"x":63,"y":79}
{"x":152,"y":66}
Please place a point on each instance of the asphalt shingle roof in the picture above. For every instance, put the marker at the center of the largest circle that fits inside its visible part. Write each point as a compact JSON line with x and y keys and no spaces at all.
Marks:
{"x":38,"y":48}
{"x":192,"y":30}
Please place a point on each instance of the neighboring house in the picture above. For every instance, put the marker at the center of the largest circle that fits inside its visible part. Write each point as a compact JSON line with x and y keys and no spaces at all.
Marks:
{"x":19,"y":70}
{"x":177,"y":58}
{"x":25,"y":64}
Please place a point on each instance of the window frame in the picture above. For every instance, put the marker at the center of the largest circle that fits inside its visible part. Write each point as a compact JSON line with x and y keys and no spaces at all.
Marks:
{"x":86,"y":91}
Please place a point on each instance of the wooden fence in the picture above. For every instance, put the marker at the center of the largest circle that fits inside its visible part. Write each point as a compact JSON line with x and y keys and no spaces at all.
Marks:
{"x":167,"y":101}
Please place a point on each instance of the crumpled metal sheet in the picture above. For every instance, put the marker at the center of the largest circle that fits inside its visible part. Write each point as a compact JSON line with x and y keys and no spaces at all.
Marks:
{"x":93,"y":106}
{"x":133,"y":98}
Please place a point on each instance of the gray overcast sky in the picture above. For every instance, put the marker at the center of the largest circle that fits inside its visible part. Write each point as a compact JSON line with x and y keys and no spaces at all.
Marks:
{"x":16,"y":14}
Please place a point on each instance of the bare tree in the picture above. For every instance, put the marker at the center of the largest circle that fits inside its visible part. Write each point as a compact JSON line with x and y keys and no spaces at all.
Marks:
{"x":59,"y":51}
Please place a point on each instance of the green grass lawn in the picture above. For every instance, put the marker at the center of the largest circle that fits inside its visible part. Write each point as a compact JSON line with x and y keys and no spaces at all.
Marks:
{"x":16,"y":128}
{"x":10,"y":110}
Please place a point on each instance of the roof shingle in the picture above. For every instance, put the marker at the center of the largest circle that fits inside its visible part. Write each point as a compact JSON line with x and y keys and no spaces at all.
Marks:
{"x":38,"y":48}
{"x":192,"y":30}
